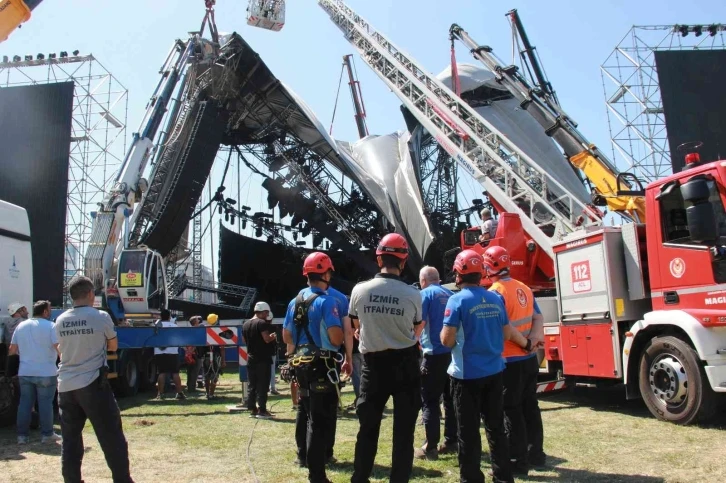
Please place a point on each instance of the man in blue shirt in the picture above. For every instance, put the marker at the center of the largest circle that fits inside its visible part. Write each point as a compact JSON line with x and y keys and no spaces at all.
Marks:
{"x":436,"y":360}
{"x":37,"y":344}
{"x":312,"y":325}
{"x":476,"y":326}
{"x":301,"y":422}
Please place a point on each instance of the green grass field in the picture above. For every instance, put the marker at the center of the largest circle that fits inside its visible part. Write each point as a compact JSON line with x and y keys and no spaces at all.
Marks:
{"x":595,"y":436}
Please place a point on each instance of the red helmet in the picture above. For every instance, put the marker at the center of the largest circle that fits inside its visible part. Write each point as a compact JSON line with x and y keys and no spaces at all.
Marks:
{"x":496,"y":259}
{"x":393,"y":244}
{"x":467,"y":262}
{"x":317,"y":262}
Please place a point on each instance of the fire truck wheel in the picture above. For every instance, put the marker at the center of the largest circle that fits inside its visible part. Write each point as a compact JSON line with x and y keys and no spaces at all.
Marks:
{"x":673,"y":384}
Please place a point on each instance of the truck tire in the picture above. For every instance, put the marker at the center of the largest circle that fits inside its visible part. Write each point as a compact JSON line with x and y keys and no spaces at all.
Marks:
{"x":127,"y":383}
{"x":150,"y":374}
{"x":673,"y":383}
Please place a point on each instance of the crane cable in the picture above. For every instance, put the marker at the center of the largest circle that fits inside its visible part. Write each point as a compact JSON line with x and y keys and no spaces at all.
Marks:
{"x":249,"y":445}
{"x":337,"y":95}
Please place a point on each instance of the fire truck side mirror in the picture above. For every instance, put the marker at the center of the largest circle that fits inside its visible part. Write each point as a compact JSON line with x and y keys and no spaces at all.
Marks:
{"x":700,"y":215}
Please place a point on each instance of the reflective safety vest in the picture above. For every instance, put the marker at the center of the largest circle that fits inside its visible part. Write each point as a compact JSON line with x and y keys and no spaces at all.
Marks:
{"x":519,"y":301}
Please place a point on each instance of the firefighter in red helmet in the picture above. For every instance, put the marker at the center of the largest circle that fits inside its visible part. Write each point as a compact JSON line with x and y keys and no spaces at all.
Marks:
{"x":387,"y":313}
{"x":313,"y":331}
{"x":475,"y":327}
{"x":522,"y":417}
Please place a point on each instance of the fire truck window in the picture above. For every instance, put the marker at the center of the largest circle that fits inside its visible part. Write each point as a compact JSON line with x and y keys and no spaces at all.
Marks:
{"x":673,"y":217}
{"x":715,"y":199}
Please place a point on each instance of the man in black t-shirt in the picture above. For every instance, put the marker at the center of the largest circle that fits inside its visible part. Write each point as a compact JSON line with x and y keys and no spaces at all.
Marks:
{"x":260,"y":337}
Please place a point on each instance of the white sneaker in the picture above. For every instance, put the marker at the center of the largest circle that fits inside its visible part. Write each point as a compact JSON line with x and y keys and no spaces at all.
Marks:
{"x":22,"y":440}
{"x":51,"y":439}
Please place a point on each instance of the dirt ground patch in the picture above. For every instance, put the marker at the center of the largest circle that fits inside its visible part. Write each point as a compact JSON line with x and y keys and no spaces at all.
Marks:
{"x":594,"y":436}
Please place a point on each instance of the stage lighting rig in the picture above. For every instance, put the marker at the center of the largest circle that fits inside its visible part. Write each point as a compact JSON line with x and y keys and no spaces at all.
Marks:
{"x":16,"y":58}
{"x":63,"y":54}
{"x":75,"y":53}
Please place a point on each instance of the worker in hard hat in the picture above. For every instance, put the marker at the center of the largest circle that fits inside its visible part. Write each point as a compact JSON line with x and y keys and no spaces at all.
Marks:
{"x":261,"y":340}
{"x":488,"y":225}
{"x":387,"y":313}
{"x":17,"y":313}
{"x":475,"y":327}
{"x":523,"y":419}
{"x":312,"y":325}
{"x":214,"y":362}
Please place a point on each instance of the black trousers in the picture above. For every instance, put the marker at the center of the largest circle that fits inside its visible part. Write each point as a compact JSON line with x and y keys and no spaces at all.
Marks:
{"x":385,"y":374}
{"x":475,"y":399}
{"x":258,"y":382}
{"x":314,"y":425}
{"x":522,"y":417}
{"x":434,"y":384}
{"x":94,"y":402}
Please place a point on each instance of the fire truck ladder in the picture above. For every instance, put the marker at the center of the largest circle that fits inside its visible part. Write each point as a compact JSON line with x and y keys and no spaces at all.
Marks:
{"x":508,"y":175}
{"x":621,"y":192}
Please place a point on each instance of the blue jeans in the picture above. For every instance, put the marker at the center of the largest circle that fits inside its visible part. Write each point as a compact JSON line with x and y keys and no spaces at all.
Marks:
{"x":44,"y":389}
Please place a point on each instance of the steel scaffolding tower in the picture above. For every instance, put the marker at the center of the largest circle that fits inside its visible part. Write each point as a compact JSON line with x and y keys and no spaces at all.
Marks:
{"x":98,"y":137}
{"x":632,"y":93}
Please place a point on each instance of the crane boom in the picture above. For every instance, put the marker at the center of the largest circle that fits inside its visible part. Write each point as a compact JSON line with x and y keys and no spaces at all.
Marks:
{"x":119,"y":203}
{"x":518,"y":184}
{"x":611,"y":187}
{"x":357,"y":96}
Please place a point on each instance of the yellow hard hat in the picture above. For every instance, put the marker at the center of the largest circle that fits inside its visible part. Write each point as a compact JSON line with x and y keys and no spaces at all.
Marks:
{"x":212,"y":319}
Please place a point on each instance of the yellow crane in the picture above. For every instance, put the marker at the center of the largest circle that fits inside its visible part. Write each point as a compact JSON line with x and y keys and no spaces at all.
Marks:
{"x":13,"y":13}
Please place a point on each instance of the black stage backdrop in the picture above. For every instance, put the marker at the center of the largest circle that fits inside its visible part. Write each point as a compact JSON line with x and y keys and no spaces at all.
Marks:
{"x":694,"y":100}
{"x":275,"y":270}
{"x":35,"y":142}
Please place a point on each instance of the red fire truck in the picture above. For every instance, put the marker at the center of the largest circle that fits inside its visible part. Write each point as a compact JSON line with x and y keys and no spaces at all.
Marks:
{"x":639,"y":304}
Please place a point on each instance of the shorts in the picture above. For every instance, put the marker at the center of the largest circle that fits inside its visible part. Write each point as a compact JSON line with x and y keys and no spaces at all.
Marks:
{"x":167,"y":363}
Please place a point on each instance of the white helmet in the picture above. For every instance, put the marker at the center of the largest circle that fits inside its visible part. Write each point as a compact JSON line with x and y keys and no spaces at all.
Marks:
{"x":270,"y":316}
{"x":261,"y":307}
{"x":14,"y":307}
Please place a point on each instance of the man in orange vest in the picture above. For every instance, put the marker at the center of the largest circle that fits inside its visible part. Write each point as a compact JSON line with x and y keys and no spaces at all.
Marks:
{"x":522,"y":417}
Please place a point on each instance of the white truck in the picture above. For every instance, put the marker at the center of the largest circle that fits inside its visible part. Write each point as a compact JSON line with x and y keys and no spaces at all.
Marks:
{"x":16,"y":285}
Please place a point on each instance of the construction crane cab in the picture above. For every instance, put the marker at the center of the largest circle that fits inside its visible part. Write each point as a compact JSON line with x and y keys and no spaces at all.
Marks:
{"x":266,"y":14}
{"x":141,"y":283}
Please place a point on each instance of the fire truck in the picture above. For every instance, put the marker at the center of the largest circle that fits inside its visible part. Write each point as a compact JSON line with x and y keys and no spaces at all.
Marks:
{"x":640,"y":304}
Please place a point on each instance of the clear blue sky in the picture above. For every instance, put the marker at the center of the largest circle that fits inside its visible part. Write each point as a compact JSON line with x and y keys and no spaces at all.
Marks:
{"x":573,"y":38}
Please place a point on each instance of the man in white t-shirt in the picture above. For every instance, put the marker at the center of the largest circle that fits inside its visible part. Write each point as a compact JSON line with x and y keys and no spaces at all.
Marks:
{"x":167,"y":360}
{"x":488,"y":225}
{"x":36,"y":342}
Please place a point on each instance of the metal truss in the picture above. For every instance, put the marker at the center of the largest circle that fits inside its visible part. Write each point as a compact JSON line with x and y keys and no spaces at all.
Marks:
{"x":98,"y":138}
{"x":438,"y":179}
{"x":632,"y":93}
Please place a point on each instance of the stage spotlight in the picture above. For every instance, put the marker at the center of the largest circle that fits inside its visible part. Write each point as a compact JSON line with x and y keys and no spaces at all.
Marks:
{"x":5,"y":59}
{"x":16,"y":58}
{"x":51,"y":56}
{"x":28,"y":57}
{"x":294,"y":235}
{"x":232,"y":219}
{"x":712,"y":30}
{"x":244,"y":224}
{"x":258,"y":232}
{"x":698,"y":30}
{"x":683,"y":29}
{"x":301,"y":243}
{"x":40,"y":57}
{"x":75,"y":52}
{"x":63,"y":54}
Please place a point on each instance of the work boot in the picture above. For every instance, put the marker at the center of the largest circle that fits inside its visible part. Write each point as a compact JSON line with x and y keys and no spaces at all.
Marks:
{"x":537,"y":461}
{"x":448,"y":448}
{"x":422,"y":454}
